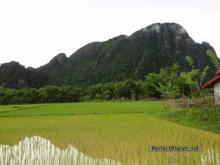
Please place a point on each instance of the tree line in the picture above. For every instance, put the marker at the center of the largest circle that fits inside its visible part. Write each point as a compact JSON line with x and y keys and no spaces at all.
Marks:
{"x":126,"y":90}
{"x":169,"y":83}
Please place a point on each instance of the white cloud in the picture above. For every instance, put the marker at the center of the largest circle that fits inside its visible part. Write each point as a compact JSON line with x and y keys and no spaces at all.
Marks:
{"x":182,"y":31}
{"x":156,"y":28}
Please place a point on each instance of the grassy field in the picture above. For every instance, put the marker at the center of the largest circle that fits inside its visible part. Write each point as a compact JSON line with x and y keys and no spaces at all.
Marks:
{"x":120,"y":131}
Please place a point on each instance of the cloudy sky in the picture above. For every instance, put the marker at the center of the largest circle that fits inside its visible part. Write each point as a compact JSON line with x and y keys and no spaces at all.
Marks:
{"x":34,"y":31}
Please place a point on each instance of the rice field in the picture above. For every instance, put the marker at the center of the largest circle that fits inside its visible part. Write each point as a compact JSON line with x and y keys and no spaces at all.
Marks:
{"x":37,"y":150}
{"x":115,"y":132}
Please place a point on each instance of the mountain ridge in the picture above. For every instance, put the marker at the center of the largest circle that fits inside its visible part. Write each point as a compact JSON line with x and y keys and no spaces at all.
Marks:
{"x":128,"y":57}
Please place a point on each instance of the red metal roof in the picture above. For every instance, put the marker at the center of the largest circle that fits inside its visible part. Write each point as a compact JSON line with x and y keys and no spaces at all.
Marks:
{"x":212,"y":81}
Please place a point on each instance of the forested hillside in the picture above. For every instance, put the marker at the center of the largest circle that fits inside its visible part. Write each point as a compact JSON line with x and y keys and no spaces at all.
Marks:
{"x":124,"y":57}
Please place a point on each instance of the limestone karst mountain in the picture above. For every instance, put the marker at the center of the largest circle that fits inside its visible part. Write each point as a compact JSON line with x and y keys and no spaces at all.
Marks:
{"x":123,"y":57}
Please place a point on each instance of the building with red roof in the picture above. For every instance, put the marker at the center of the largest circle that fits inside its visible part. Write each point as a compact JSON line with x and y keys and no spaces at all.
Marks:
{"x":215,"y":84}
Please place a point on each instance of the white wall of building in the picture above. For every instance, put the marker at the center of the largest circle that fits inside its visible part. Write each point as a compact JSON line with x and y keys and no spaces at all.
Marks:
{"x":217,"y":93}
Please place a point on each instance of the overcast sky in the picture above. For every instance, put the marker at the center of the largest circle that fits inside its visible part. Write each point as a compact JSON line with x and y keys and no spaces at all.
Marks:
{"x":34,"y":31}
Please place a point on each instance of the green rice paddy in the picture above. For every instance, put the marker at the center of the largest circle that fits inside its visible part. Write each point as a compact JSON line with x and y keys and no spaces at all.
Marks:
{"x":122,"y":131}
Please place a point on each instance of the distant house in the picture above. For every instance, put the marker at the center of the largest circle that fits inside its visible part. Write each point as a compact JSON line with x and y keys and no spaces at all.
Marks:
{"x":215,"y":83}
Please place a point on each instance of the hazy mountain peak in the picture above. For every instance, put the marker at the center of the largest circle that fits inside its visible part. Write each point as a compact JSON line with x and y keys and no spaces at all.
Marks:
{"x":145,"y":51}
{"x":15,"y":75}
{"x":61,"y":58}
{"x":154,"y":27}
{"x":12,"y":64}
{"x":172,"y":27}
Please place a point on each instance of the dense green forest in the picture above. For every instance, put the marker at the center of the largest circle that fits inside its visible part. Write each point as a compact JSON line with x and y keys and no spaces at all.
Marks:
{"x":169,"y":83}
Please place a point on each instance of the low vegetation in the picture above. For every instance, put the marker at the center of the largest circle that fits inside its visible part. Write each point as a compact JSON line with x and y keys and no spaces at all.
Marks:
{"x":121,"y":131}
{"x":198,"y":113}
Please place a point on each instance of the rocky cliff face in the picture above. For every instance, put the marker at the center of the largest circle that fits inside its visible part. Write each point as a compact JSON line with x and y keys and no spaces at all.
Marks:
{"x":14,"y":75}
{"x":147,"y":50}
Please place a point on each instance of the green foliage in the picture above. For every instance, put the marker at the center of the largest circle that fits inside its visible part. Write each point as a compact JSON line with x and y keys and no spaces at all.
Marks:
{"x":189,"y":60}
{"x":194,"y":78}
{"x":169,"y":90}
{"x":166,"y":84}
{"x":206,"y":117}
{"x":214,"y":59}
{"x":123,"y":90}
{"x":41,"y":95}
{"x":151,"y":84}
{"x":170,"y":82}
{"x":128,"y":89}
